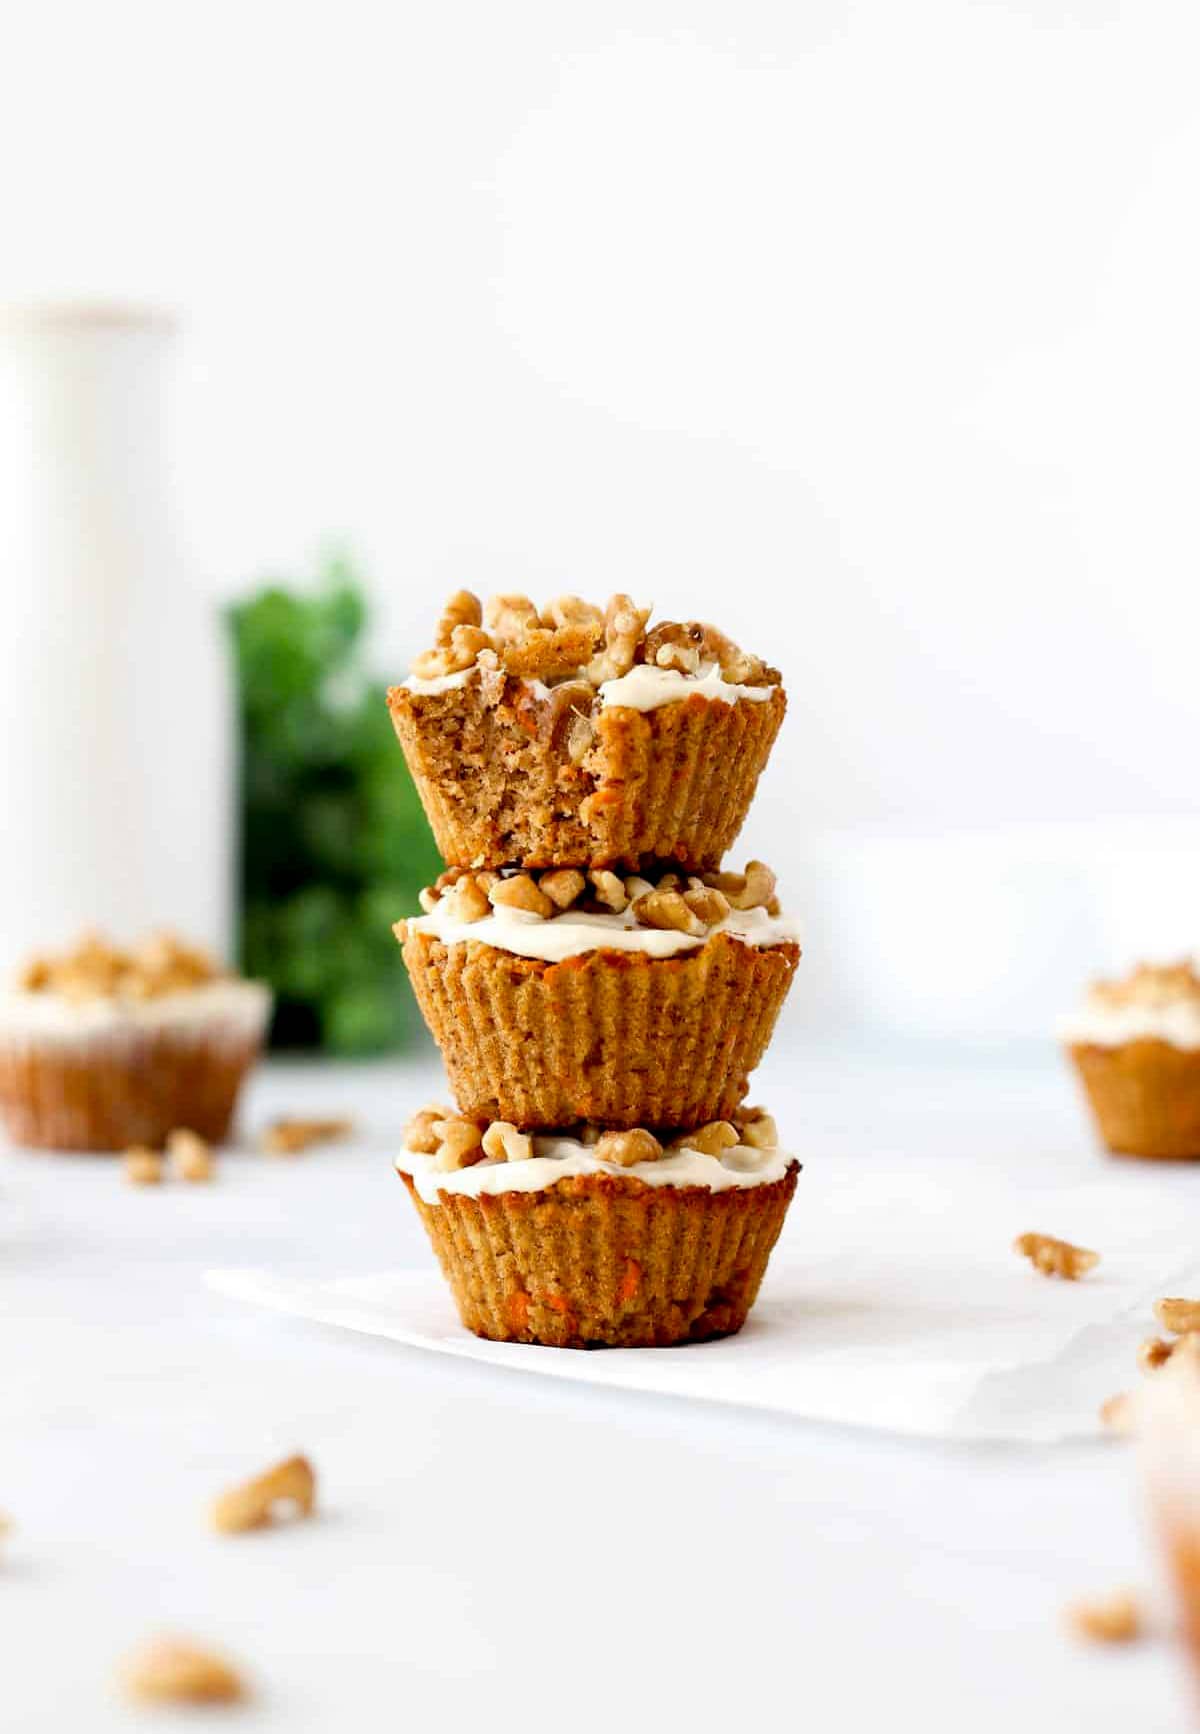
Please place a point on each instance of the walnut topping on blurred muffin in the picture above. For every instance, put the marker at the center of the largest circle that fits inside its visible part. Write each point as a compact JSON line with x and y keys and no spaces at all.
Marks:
{"x":1150,"y":985}
{"x":93,"y":969}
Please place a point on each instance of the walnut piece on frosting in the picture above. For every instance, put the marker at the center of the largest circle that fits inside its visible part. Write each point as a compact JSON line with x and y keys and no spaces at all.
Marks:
{"x":573,"y":640}
{"x":161,"y":963}
{"x":686,"y":903}
{"x":455,"y":1141}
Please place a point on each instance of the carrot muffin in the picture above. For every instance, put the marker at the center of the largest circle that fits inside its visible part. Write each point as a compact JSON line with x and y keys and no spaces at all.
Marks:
{"x":591,"y":1238}
{"x":103,"y":1048}
{"x":636,"y":1001}
{"x":576,"y":737}
{"x":1136,"y":1046}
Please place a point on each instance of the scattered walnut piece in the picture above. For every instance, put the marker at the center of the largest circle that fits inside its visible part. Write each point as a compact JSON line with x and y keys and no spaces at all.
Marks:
{"x":460,"y":1144}
{"x":1117,"y":1413}
{"x":419,"y":1134}
{"x":520,"y":892}
{"x":143,"y":1167}
{"x":503,"y":1143}
{"x":1155,"y":1352}
{"x":562,"y":885}
{"x":609,"y":889}
{"x":710,"y":1140}
{"x":667,"y":910}
{"x":176,"y":1671}
{"x":1178,"y":1316}
{"x":191,"y":1156}
{"x":1056,"y":1257}
{"x":287,"y":1137}
{"x":626,"y":1148}
{"x":252,"y":1505}
{"x":1112,"y":1619}
{"x":462,"y":609}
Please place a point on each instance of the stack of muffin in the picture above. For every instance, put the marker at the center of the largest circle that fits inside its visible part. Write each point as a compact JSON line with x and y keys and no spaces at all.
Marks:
{"x":599,"y":987}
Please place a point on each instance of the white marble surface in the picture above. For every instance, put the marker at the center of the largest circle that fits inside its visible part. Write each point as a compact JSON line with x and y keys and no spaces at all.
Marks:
{"x":503,"y":1551}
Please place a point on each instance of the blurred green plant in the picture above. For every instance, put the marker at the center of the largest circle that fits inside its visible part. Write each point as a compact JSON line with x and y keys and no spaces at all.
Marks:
{"x":334,"y":843}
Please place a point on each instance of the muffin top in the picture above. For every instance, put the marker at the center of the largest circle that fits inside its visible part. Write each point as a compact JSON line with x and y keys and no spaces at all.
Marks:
{"x":1154,"y":1002}
{"x":572,"y":640}
{"x":93,"y":969}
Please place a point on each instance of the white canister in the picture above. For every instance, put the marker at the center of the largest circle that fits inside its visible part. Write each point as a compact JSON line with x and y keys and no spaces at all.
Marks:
{"x":115,"y":706}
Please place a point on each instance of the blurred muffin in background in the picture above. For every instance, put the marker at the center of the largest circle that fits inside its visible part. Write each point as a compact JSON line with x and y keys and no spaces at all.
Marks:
{"x":101,"y":1048}
{"x":1136,"y":1045}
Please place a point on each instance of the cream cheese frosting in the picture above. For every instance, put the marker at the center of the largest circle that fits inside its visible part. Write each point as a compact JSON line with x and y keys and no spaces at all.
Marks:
{"x":228,"y":1007}
{"x":562,"y":1158}
{"x":1111,"y":1026}
{"x":576,"y":932}
{"x":644,"y":688}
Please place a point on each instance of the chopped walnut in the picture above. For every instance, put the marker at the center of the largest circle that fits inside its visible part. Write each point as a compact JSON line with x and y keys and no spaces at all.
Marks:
{"x":503,"y":1143}
{"x":1155,"y":1352}
{"x":710,"y":1140}
{"x":709,"y":905}
{"x":609,"y":889}
{"x":1113,"y":1619}
{"x":176,"y":1671}
{"x":143,"y":1167}
{"x":1117,"y":1413}
{"x":562,"y":885}
{"x":460,"y":1144}
{"x":571,"y":611}
{"x":252,"y":1505}
{"x":288,"y":1137}
{"x":160,"y":964}
{"x":627,"y":1148}
{"x":1178,"y":1316}
{"x":191,"y":1155}
{"x":757,"y":1129}
{"x":667,"y":909}
{"x":461,"y":653}
{"x":624,"y":625}
{"x":419,"y":1134}
{"x":467,"y":900}
{"x":509,"y":617}
{"x":463,"y":609}
{"x":1056,"y":1257}
{"x":521,"y":892}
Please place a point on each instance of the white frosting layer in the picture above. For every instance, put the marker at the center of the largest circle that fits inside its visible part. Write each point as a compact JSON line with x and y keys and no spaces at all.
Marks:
{"x":575,"y":932}
{"x":230,"y":1009}
{"x":646,"y":688}
{"x":1107,"y":1026}
{"x":557,"y":1159}
{"x":439,"y":683}
{"x":643,"y":688}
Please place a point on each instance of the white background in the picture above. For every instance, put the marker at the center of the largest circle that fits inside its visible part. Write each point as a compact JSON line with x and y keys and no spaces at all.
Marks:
{"x":868,"y":330}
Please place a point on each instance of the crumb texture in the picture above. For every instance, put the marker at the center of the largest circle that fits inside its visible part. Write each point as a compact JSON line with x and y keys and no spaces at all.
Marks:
{"x":506,"y":781}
